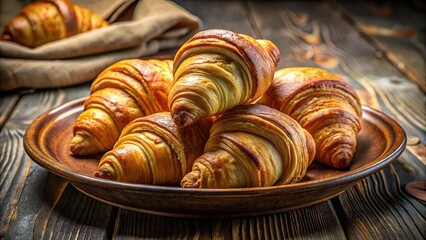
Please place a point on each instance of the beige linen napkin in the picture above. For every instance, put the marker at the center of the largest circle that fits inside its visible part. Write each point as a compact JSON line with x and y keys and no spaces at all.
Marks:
{"x":155,"y":25}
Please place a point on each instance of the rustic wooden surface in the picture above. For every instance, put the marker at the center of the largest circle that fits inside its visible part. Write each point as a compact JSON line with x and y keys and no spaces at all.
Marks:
{"x":378,"y":48}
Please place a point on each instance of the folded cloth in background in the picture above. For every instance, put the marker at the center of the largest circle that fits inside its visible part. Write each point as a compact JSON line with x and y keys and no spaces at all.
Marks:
{"x":154,"y":25}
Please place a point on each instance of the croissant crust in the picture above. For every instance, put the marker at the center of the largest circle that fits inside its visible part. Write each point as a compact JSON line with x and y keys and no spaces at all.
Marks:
{"x":124,"y":91}
{"x":323,"y":104}
{"x":252,"y":146}
{"x":154,"y":150}
{"x":214,"y":63}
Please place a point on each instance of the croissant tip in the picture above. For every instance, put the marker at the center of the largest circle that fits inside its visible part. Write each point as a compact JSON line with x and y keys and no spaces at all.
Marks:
{"x":187,"y":184}
{"x":342,"y":160}
{"x":81,"y":145}
{"x":183,"y":118}
{"x":105,"y":173}
{"x":190,"y":180}
{"x":78,"y":144}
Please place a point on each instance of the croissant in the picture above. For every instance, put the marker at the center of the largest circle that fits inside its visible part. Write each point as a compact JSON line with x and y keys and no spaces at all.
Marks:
{"x":124,"y":91}
{"x":154,"y":150}
{"x":49,"y":20}
{"x":252,"y":146}
{"x":323,"y":104}
{"x":216,"y":70}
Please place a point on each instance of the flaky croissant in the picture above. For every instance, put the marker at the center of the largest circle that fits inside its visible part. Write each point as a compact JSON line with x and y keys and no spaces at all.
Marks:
{"x":121,"y":93}
{"x":216,"y":70}
{"x":323,"y":104}
{"x":154,"y":150}
{"x":252,"y":146}
{"x":49,"y":20}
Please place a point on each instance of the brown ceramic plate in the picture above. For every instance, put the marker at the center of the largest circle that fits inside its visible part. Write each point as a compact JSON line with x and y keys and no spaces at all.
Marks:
{"x":46,"y":141}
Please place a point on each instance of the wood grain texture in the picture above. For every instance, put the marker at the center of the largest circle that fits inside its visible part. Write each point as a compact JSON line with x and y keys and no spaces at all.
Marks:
{"x":377,"y":208}
{"x":7,"y":103}
{"x":136,"y":225}
{"x":15,"y":165}
{"x":408,"y":55}
{"x":24,"y":184}
{"x":323,"y":224}
{"x":214,"y":14}
{"x":395,"y":28}
{"x":311,"y":35}
{"x":74,"y":216}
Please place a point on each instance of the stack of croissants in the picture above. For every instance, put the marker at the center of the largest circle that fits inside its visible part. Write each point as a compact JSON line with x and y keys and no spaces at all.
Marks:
{"x":218,"y":116}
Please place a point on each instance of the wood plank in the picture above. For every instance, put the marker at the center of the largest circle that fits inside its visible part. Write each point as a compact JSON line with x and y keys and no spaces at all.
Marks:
{"x":7,"y":103}
{"x":15,"y":164}
{"x":377,"y":208}
{"x":318,"y":221}
{"x":306,"y":36}
{"x":74,"y":216}
{"x":214,"y":14}
{"x":28,"y":190}
{"x":408,"y":55}
{"x":131,"y":224}
{"x":395,"y":28}
{"x":323,"y":223}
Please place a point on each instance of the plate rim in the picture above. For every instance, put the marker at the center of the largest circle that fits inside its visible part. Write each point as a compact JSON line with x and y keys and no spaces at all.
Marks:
{"x":387,"y":157}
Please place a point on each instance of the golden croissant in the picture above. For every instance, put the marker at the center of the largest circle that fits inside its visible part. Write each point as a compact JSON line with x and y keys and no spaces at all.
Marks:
{"x":124,"y":91}
{"x":216,"y":70}
{"x":154,"y":150}
{"x":252,"y":146}
{"x":323,"y":104}
{"x":49,"y":20}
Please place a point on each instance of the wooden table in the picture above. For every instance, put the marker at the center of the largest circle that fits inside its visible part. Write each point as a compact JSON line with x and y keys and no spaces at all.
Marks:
{"x":378,"y":48}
